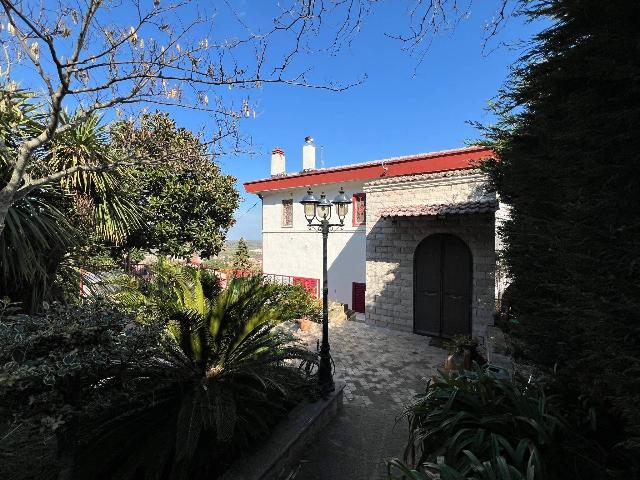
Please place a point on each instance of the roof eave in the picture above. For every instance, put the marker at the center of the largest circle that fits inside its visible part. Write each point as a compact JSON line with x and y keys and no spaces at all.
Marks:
{"x":460,"y":159}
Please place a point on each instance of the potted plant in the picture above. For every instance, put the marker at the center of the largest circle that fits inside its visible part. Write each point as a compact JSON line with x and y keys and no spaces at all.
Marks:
{"x":463,"y":352}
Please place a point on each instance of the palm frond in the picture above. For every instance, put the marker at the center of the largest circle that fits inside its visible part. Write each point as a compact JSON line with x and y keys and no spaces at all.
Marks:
{"x":35,"y":234}
{"x":99,"y":194}
{"x":225,"y":373}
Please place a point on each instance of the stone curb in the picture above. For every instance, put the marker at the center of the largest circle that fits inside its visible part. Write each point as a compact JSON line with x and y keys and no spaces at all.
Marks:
{"x":289,"y":440}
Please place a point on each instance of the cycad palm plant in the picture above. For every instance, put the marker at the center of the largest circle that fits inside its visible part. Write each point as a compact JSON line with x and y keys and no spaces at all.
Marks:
{"x":225,"y":374}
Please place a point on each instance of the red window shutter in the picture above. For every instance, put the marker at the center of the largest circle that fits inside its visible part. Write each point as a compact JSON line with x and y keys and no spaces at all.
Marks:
{"x":309,"y":284}
{"x":359,"y":202}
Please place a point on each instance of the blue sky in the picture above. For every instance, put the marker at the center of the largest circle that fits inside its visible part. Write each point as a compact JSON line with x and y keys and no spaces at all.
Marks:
{"x":401,"y":108}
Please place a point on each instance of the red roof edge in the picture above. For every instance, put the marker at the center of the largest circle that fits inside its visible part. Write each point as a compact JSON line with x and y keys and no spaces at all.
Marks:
{"x":463,"y":158}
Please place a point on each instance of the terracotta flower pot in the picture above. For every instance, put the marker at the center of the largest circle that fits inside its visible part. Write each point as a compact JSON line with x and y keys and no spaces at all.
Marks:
{"x":304,"y":324}
{"x":459,"y":360}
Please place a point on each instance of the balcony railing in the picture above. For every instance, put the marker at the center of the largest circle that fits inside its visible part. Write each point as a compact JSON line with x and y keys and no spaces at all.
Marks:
{"x":96,"y":277}
{"x":312,"y":285}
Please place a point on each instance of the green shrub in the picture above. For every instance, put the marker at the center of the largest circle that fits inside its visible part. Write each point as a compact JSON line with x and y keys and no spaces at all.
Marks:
{"x":477,"y":426}
{"x":567,"y":139}
{"x":58,"y":368}
{"x":496,"y":469}
{"x":225,"y":376}
{"x":296,"y":302}
{"x":154,"y":298}
{"x":177,"y":397}
{"x":57,"y":359}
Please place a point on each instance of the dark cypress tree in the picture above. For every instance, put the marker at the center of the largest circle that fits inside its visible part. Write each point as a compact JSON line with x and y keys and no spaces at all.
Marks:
{"x":569,"y":147}
{"x":241,"y":258}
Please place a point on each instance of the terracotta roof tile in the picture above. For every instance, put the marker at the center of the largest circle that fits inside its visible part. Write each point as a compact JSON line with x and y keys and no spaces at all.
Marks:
{"x":463,"y":208}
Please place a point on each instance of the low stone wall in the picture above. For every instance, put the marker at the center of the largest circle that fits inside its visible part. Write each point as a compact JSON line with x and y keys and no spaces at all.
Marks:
{"x":289,"y":440}
{"x":497,"y":351}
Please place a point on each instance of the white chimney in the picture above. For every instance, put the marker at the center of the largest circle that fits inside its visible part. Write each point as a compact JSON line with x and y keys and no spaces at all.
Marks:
{"x":308,"y":154}
{"x":277,"y":162}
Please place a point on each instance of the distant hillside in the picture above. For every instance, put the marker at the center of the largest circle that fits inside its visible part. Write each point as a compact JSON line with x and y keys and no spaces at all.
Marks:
{"x":230,"y":246}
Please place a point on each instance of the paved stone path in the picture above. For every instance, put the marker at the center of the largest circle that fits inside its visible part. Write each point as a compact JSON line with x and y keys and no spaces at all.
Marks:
{"x":383,"y":370}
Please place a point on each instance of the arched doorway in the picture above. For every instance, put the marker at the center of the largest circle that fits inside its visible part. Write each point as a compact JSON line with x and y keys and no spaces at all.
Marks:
{"x":442,"y":269}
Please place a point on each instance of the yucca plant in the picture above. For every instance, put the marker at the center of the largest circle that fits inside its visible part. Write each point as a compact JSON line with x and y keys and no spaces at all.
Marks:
{"x":34,"y":225}
{"x":44,"y":229}
{"x":35,"y":236}
{"x":225,"y":375}
{"x":481,"y":427}
{"x":99,"y":200}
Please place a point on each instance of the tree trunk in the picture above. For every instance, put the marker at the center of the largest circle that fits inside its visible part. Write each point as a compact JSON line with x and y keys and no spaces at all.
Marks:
{"x":8,"y":192}
{"x":6,"y":199}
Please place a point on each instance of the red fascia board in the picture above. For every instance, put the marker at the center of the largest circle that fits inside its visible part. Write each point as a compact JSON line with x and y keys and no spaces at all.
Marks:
{"x":411,"y":166}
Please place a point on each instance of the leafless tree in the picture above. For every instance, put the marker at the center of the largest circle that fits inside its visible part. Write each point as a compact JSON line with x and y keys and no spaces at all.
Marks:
{"x":94,"y":56}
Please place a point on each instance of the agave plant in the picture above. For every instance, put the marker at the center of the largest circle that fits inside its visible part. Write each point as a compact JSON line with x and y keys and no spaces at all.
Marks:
{"x":477,"y":426}
{"x":498,"y":468}
{"x":224,"y":376}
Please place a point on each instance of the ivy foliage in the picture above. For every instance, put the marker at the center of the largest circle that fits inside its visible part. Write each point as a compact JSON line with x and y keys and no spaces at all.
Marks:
{"x":186,"y":202}
{"x":568,"y":145}
{"x":55,"y":359}
{"x":58,"y":368}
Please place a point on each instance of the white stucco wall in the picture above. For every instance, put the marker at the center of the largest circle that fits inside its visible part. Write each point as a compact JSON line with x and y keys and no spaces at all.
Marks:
{"x":297,"y":251}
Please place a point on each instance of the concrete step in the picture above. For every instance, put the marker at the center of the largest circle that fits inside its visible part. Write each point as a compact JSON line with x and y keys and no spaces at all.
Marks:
{"x":337,"y":312}
{"x":352,"y":315}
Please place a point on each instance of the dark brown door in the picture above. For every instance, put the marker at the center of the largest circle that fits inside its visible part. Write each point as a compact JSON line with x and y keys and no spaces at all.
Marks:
{"x":442,"y":287}
{"x":357,"y":296}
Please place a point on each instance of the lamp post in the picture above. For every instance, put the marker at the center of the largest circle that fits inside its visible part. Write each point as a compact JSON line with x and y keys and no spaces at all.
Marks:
{"x":320,"y":210}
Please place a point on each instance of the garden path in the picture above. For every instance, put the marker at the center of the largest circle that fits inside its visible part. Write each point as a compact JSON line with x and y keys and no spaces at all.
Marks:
{"x":383,"y":370}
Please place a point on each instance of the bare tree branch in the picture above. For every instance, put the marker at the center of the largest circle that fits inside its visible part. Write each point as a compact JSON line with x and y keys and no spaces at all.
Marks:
{"x":102,"y":55}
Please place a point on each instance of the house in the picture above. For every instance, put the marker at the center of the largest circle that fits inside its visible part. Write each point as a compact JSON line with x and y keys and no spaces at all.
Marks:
{"x":417,"y":252}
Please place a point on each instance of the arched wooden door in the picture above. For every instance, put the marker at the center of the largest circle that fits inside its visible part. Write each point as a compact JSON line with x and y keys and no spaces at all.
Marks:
{"x":442,"y":287}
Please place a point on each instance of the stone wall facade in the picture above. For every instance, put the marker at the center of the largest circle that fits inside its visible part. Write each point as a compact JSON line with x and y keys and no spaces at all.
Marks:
{"x":392,"y":241}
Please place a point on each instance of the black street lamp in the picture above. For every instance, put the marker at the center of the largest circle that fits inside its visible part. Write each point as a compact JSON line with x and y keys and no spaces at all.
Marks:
{"x":320,"y":210}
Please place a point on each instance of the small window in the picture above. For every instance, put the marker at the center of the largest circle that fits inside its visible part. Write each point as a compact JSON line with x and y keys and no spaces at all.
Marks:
{"x":287,"y":213}
{"x":359,"y":209}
